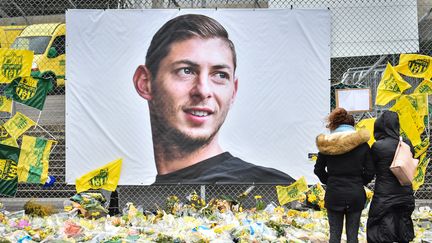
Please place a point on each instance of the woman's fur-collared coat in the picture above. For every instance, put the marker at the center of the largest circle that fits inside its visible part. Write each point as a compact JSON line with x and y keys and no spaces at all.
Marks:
{"x":344,"y":164}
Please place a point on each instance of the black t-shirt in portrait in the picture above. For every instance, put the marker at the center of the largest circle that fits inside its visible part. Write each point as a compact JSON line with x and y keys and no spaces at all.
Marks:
{"x":225,"y":169}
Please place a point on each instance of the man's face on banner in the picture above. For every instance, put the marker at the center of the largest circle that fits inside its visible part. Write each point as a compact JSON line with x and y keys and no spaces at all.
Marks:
{"x":194,"y":88}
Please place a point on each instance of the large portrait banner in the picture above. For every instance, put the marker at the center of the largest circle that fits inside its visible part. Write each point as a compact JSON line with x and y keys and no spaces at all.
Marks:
{"x":195,"y":106}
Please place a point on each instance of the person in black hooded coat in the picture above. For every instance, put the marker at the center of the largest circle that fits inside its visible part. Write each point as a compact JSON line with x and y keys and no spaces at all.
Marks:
{"x":392,"y":204}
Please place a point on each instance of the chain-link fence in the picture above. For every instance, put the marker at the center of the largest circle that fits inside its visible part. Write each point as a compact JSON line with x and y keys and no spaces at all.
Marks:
{"x":45,"y":35}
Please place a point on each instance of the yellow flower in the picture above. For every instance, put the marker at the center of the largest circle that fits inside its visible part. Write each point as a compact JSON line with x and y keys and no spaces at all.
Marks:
{"x":293,"y":213}
{"x":173,"y":198}
{"x":68,"y":208}
{"x":321,"y":204}
{"x":279,"y":209}
{"x":311,"y":198}
{"x":258,"y":196}
{"x":302,"y":198}
{"x":309,"y":226}
{"x":369,"y":194}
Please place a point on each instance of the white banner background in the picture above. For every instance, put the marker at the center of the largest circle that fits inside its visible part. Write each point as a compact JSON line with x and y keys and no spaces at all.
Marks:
{"x":283,"y":96}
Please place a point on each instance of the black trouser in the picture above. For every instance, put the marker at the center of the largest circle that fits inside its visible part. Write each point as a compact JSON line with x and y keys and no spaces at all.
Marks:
{"x":352,"y":223}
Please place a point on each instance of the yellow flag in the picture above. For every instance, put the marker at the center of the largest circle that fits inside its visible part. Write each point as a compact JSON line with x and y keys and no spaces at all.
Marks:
{"x":424,"y":87}
{"x":420,"y":172}
{"x":18,"y":124}
{"x":420,"y":148}
{"x":10,"y":142}
{"x":6,"y":138}
{"x":105,"y":177}
{"x":292,"y":192}
{"x":15,"y":63}
{"x":367,"y":124}
{"x":391,"y":86}
{"x":418,"y":119}
{"x":420,"y":103}
{"x":34,"y":159}
{"x":415,"y":65}
{"x":408,"y":117}
{"x":5,"y":104}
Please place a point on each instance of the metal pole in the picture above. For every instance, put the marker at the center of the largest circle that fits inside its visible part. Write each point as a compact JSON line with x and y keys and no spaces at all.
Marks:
{"x":72,"y":3}
{"x":425,"y":15}
{"x":372,"y":68}
{"x":21,"y":11}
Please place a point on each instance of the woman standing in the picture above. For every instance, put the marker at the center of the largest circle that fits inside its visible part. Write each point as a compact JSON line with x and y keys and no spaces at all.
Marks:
{"x":392,"y":204}
{"x":346,"y":155}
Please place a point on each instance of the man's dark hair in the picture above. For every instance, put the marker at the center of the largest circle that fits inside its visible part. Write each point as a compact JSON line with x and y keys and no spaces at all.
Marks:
{"x":183,"y":28}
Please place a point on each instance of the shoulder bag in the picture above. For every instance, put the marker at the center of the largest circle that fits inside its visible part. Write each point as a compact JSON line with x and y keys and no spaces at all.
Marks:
{"x":404,"y":165}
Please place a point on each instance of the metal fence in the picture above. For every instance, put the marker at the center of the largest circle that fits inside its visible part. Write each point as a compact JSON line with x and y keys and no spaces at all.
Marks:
{"x":364,"y":71}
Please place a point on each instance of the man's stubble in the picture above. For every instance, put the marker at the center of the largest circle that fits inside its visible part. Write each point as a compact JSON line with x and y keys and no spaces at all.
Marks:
{"x":169,"y":142}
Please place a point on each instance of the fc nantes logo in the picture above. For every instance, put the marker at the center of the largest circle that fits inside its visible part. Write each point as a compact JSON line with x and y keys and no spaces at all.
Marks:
{"x":293,"y":192}
{"x":12,"y":65}
{"x":391,"y":85}
{"x":100,"y":179}
{"x":26,"y":88}
{"x":425,"y":89}
{"x":418,"y":66}
{"x":3,"y":133}
{"x":413,"y":102}
{"x":8,"y":169}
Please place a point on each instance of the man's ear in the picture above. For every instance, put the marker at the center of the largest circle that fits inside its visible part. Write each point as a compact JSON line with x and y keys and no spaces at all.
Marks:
{"x":142,"y":82}
{"x":235,"y":90}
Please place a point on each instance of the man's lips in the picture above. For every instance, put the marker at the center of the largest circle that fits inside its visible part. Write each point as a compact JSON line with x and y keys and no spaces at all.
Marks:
{"x":199,"y":112}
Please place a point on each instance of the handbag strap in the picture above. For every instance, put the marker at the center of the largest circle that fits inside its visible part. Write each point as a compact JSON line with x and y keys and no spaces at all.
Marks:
{"x":398,"y":147}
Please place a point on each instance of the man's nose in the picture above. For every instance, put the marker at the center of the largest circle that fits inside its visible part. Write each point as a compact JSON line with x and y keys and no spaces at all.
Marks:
{"x":202,"y":87}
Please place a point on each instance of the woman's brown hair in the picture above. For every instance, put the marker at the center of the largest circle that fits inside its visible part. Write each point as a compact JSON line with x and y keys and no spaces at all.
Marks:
{"x":338,"y":117}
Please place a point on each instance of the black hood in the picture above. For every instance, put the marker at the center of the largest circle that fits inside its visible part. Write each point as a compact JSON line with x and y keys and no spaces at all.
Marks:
{"x":387,"y":125}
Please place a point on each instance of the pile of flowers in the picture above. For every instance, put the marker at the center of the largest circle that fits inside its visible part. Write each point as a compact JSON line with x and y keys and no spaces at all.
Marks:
{"x":315,"y":196}
{"x":189,"y":219}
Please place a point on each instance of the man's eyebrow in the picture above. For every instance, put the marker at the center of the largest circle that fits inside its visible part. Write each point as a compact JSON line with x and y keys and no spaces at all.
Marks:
{"x":194,"y":64}
{"x":222,"y":66}
{"x":185,"y":61}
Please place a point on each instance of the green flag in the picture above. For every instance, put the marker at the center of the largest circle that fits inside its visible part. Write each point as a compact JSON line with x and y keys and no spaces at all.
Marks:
{"x":8,"y":170}
{"x":29,"y":91}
